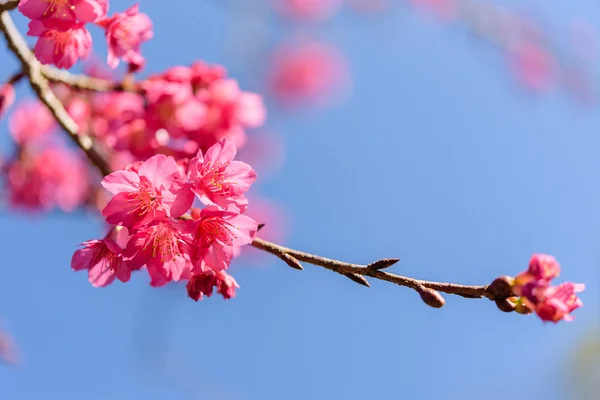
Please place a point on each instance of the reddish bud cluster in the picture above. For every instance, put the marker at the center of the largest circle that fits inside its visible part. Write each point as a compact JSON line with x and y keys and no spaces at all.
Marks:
{"x":550,"y":303}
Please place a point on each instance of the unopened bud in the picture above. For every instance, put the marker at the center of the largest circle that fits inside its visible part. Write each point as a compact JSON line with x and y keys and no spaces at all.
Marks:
{"x":506,"y":305}
{"x":501,"y":287}
{"x":522,"y":308}
{"x":431,"y":297}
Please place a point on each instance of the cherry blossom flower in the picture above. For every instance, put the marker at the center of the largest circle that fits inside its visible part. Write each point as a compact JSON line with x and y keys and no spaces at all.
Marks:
{"x":30,"y":121}
{"x":125,"y":32}
{"x":229,"y":111}
{"x":219,"y":234}
{"x":145,"y":195}
{"x":308,"y":9}
{"x":307,"y":72}
{"x":61,"y":47}
{"x":52,"y":178}
{"x":218,"y":179}
{"x":7,"y":97}
{"x":532,"y":65}
{"x":557,"y":302}
{"x":165,"y":247}
{"x":550,"y":303}
{"x":202,"y":284}
{"x":103,"y":259}
{"x":71,"y":11}
{"x":541,"y":267}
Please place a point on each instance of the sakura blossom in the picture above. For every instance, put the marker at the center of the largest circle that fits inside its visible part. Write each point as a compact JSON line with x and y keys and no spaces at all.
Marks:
{"x":218,"y":236}
{"x":145,"y":195}
{"x":220,"y":180}
{"x":125,"y":32}
{"x":70,"y":11}
{"x":60,"y":45}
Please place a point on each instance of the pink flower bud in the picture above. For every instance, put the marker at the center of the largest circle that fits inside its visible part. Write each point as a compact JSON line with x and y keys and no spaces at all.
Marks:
{"x":7,"y":97}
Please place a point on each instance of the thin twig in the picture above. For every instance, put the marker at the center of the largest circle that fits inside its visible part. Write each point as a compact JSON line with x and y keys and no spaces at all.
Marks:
{"x":38,"y":76}
{"x":345,"y":268}
{"x":32,"y":68}
{"x":84,"y":82}
{"x":9,"y":5}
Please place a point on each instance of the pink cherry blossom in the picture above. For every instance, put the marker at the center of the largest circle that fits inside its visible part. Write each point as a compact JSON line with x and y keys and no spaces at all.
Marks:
{"x":532,"y":64}
{"x":229,"y":111}
{"x":219,"y":234}
{"x":125,"y":32}
{"x":103,"y":259}
{"x":557,"y":302}
{"x":218,"y":179}
{"x":7,"y":97}
{"x":65,"y":10}
{"x":31,"y":121}
{"x":307,"y":72}
{"x":174,"y":109}
{"x":8,"y":350}
{"x":165,"y":248}
{"x":52,"y":178}
{"x":541,"y":267}
{"x":145,"y":195}
{"x":60,"y":47}
{"x":202,"y":284}
{"x":81,"y":111}
{"x":308,"y":9}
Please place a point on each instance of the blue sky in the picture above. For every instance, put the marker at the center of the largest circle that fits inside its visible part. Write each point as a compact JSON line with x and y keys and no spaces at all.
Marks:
{"x":437,"y":158}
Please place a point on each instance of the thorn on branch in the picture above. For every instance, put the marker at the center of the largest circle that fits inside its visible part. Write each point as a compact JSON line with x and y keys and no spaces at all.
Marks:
{"x":291,"y":261}
{"x":431,"y":297}
{"x":383,"y":263}
{"x":358,"y":279}
{"x":260,"y":226}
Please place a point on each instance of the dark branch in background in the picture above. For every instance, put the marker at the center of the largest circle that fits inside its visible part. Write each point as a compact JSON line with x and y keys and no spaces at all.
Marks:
{"x":39,"y":77}
{"x":40,"y":85}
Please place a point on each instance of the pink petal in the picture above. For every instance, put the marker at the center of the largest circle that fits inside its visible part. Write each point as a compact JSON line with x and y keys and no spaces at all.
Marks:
{"x":223,"y":151}
{"x":184,"y":198}
{"x":82,"y":258}
{"x":33,"y":9}
{"x":121,"y":181}
{"x":160,"y":169}
{"x":100,"y":274}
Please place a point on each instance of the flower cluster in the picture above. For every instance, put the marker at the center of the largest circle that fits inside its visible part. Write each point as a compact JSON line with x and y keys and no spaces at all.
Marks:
{"x":42,"y":174}
{"x":155,"y":227}
{"x":60,"y":26}
{"x":550,"y":303}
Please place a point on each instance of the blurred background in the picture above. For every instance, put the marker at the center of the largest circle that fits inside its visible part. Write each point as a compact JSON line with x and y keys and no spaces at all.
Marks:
{"x":460,"y":136}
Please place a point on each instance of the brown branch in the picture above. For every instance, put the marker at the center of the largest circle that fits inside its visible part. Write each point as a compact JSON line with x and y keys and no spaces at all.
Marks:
{"x":84,"y":82}
{"x":38,"y":77}
{"x":424,"y":288}
{"x":9,"y":5}
{"x":40,"y":85}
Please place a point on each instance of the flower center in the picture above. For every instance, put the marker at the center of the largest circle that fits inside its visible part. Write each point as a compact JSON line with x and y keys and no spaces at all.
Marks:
{"x":215,"y":179}
{"x":213,"y":232}
{"x":61,"y":40}
{"x":57,"y":7}
{"x":146,"y":199}
{"x":164,"y":243}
